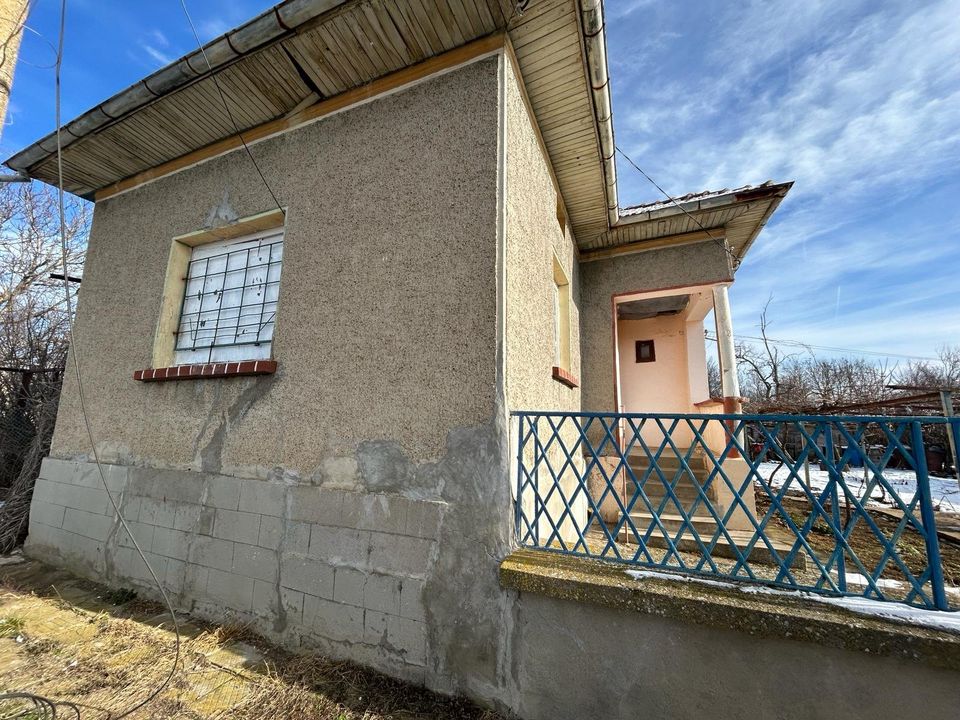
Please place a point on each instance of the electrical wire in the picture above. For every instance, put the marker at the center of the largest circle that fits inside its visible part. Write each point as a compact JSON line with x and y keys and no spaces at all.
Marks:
{"x":829,"y":348}
{"x":40,"y":703}
{"x":226,"y":106}
{"x":720,"y":243}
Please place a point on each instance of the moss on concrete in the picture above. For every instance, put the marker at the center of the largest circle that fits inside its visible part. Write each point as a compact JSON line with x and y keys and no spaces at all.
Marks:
{"x":606,"y":584}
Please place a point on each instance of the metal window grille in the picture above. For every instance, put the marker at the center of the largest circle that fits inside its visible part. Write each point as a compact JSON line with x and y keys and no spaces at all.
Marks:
{"x":230,"y":301}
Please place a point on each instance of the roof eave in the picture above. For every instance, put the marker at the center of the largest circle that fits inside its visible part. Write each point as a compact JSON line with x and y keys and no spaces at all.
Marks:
{"x":775,"y":199}
{"x":268,"y":27}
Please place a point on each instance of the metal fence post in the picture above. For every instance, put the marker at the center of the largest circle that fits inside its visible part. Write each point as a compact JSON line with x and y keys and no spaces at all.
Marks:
{"x":928,"y":518}
{"x":834,"y":472}
{"x":518,"y":508}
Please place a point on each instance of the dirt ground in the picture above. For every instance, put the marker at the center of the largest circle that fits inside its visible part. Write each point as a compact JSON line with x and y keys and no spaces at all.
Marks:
{"x":911,"y":546}
{"x":104,"y":651}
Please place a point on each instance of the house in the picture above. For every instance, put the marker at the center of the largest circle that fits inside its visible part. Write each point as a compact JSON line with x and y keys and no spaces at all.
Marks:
{"x":300,"y":346}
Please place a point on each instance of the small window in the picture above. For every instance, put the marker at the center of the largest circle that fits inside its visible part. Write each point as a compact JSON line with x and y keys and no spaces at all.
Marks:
{"x":561,"y":316}
{"x":230,"y":300}
{"x":646,"y":352}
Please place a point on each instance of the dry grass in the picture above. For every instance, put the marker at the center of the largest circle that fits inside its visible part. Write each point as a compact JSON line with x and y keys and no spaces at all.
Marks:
{"x":76,"y":646}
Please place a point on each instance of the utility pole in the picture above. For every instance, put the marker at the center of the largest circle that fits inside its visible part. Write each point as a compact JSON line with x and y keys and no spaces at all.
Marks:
{"x":13,"y":16}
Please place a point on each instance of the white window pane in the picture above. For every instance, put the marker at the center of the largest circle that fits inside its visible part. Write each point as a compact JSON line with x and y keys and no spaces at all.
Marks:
{"x":230,"y":300}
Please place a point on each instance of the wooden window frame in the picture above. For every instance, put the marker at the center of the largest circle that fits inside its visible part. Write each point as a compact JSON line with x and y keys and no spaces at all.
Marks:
{"x":181,"y":250}
{"x":640,"y":345}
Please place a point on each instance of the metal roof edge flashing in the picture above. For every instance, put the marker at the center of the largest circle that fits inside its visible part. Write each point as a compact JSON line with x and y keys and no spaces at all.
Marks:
{"x":269,"y":26}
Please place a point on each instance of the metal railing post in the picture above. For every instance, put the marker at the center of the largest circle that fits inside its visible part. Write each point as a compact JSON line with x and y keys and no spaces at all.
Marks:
{"x":518,"y":508}
{"x":928,"y":518}
{"x":834,"y":472}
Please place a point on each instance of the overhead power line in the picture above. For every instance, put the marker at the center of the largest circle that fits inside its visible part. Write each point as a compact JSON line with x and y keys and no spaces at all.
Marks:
{"x":226,"y":106}
{"x":81,"y":398}
{"x":829,"y":348}
{"x":720,"y":243}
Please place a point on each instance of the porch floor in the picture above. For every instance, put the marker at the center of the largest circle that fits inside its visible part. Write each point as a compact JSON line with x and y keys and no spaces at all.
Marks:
{"x":760,"y":553}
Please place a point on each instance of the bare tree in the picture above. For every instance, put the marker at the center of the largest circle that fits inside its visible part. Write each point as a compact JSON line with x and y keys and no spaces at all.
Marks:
{"x":768,"y":375}
{"x":714,"y":381}
{"x":33,"y":335}
{"x":943,"y":373}
{"x":800,"y":381}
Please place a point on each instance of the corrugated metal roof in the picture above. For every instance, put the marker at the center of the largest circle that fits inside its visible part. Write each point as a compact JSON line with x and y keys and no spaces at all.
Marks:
{"x":736,"y":215}
{"x":689,"y":202}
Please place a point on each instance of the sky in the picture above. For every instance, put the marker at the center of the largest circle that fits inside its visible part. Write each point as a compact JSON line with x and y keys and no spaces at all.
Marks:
{"x":857,"y":102}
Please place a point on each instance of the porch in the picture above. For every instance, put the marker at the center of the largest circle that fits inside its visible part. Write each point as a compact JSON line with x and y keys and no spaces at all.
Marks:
{"x":850,"y":510}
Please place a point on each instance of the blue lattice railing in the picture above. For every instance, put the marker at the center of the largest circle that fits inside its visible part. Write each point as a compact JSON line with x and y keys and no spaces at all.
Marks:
{"x":831,"y":505}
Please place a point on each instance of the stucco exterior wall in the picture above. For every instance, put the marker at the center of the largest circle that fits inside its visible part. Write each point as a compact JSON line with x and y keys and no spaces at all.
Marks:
{"x":357,"y":501}
{"x":574,"y":661}
{"x":534,"y":238}
{"x":388,"y":286}
{"x":664,"y":384}
{"x":695,"y":264}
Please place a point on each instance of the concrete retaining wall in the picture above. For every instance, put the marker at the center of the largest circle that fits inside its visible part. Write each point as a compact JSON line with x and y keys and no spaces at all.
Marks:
{"x":575,"y":660}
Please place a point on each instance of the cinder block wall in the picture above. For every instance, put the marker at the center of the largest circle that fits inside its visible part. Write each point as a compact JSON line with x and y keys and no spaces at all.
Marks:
{"x":343,"y":571}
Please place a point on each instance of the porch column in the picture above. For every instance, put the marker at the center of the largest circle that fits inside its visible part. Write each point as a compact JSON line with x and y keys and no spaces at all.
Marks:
{"x":727,"y":352}
{"x":729,"y":382}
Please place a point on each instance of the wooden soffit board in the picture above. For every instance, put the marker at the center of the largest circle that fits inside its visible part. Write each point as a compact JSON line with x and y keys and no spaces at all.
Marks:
{"x":349,"y":47}
{"x":346,"y":55}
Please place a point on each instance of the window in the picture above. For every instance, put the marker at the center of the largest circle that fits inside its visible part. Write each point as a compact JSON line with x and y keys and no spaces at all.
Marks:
{"x":646,"y":351}
{"x":230,"y":300}
{"x":561,"y":317}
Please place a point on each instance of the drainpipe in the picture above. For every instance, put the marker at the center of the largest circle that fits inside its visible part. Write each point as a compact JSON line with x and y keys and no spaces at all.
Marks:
{"x":595,"y":44}
{"x":727,"y":355}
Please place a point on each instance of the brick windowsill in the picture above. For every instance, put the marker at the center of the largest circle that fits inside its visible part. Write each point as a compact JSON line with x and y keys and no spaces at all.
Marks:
{"x":207,"y":371}
{"x":567,"y":378}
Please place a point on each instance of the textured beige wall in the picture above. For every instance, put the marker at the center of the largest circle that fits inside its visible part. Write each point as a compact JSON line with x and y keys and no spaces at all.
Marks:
{"x":386,"y":327}
{"x":533,"y":236}
{"x":662,"y":385}
{"x":696,"y":264}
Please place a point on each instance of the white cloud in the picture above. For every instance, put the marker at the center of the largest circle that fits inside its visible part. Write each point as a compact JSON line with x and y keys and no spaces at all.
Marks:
{"x":624,"y":8}
{"x":857,"y":102}
{"x":159,"y":56}
{"x":213,"y":27}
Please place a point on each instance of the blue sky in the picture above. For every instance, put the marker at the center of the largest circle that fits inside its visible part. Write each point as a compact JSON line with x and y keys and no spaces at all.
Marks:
{"x":857,"y":101}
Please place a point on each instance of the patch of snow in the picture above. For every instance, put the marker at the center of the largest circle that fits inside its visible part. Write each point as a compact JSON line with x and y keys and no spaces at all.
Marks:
{"x":677,"y":577}
{"x":861,"y":580}
{"x":898,"y":612}
{"x":944,"y":491}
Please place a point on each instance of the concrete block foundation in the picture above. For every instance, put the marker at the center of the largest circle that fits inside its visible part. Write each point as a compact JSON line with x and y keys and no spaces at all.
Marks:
{"x":254,"y":549}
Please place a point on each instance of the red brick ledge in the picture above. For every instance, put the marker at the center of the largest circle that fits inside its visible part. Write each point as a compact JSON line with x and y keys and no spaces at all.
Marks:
{"x":567,"y":378}
{"x":207,"y":371}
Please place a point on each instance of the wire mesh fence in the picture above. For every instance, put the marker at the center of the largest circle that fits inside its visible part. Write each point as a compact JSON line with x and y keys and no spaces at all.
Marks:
{"x":28,"y":410}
